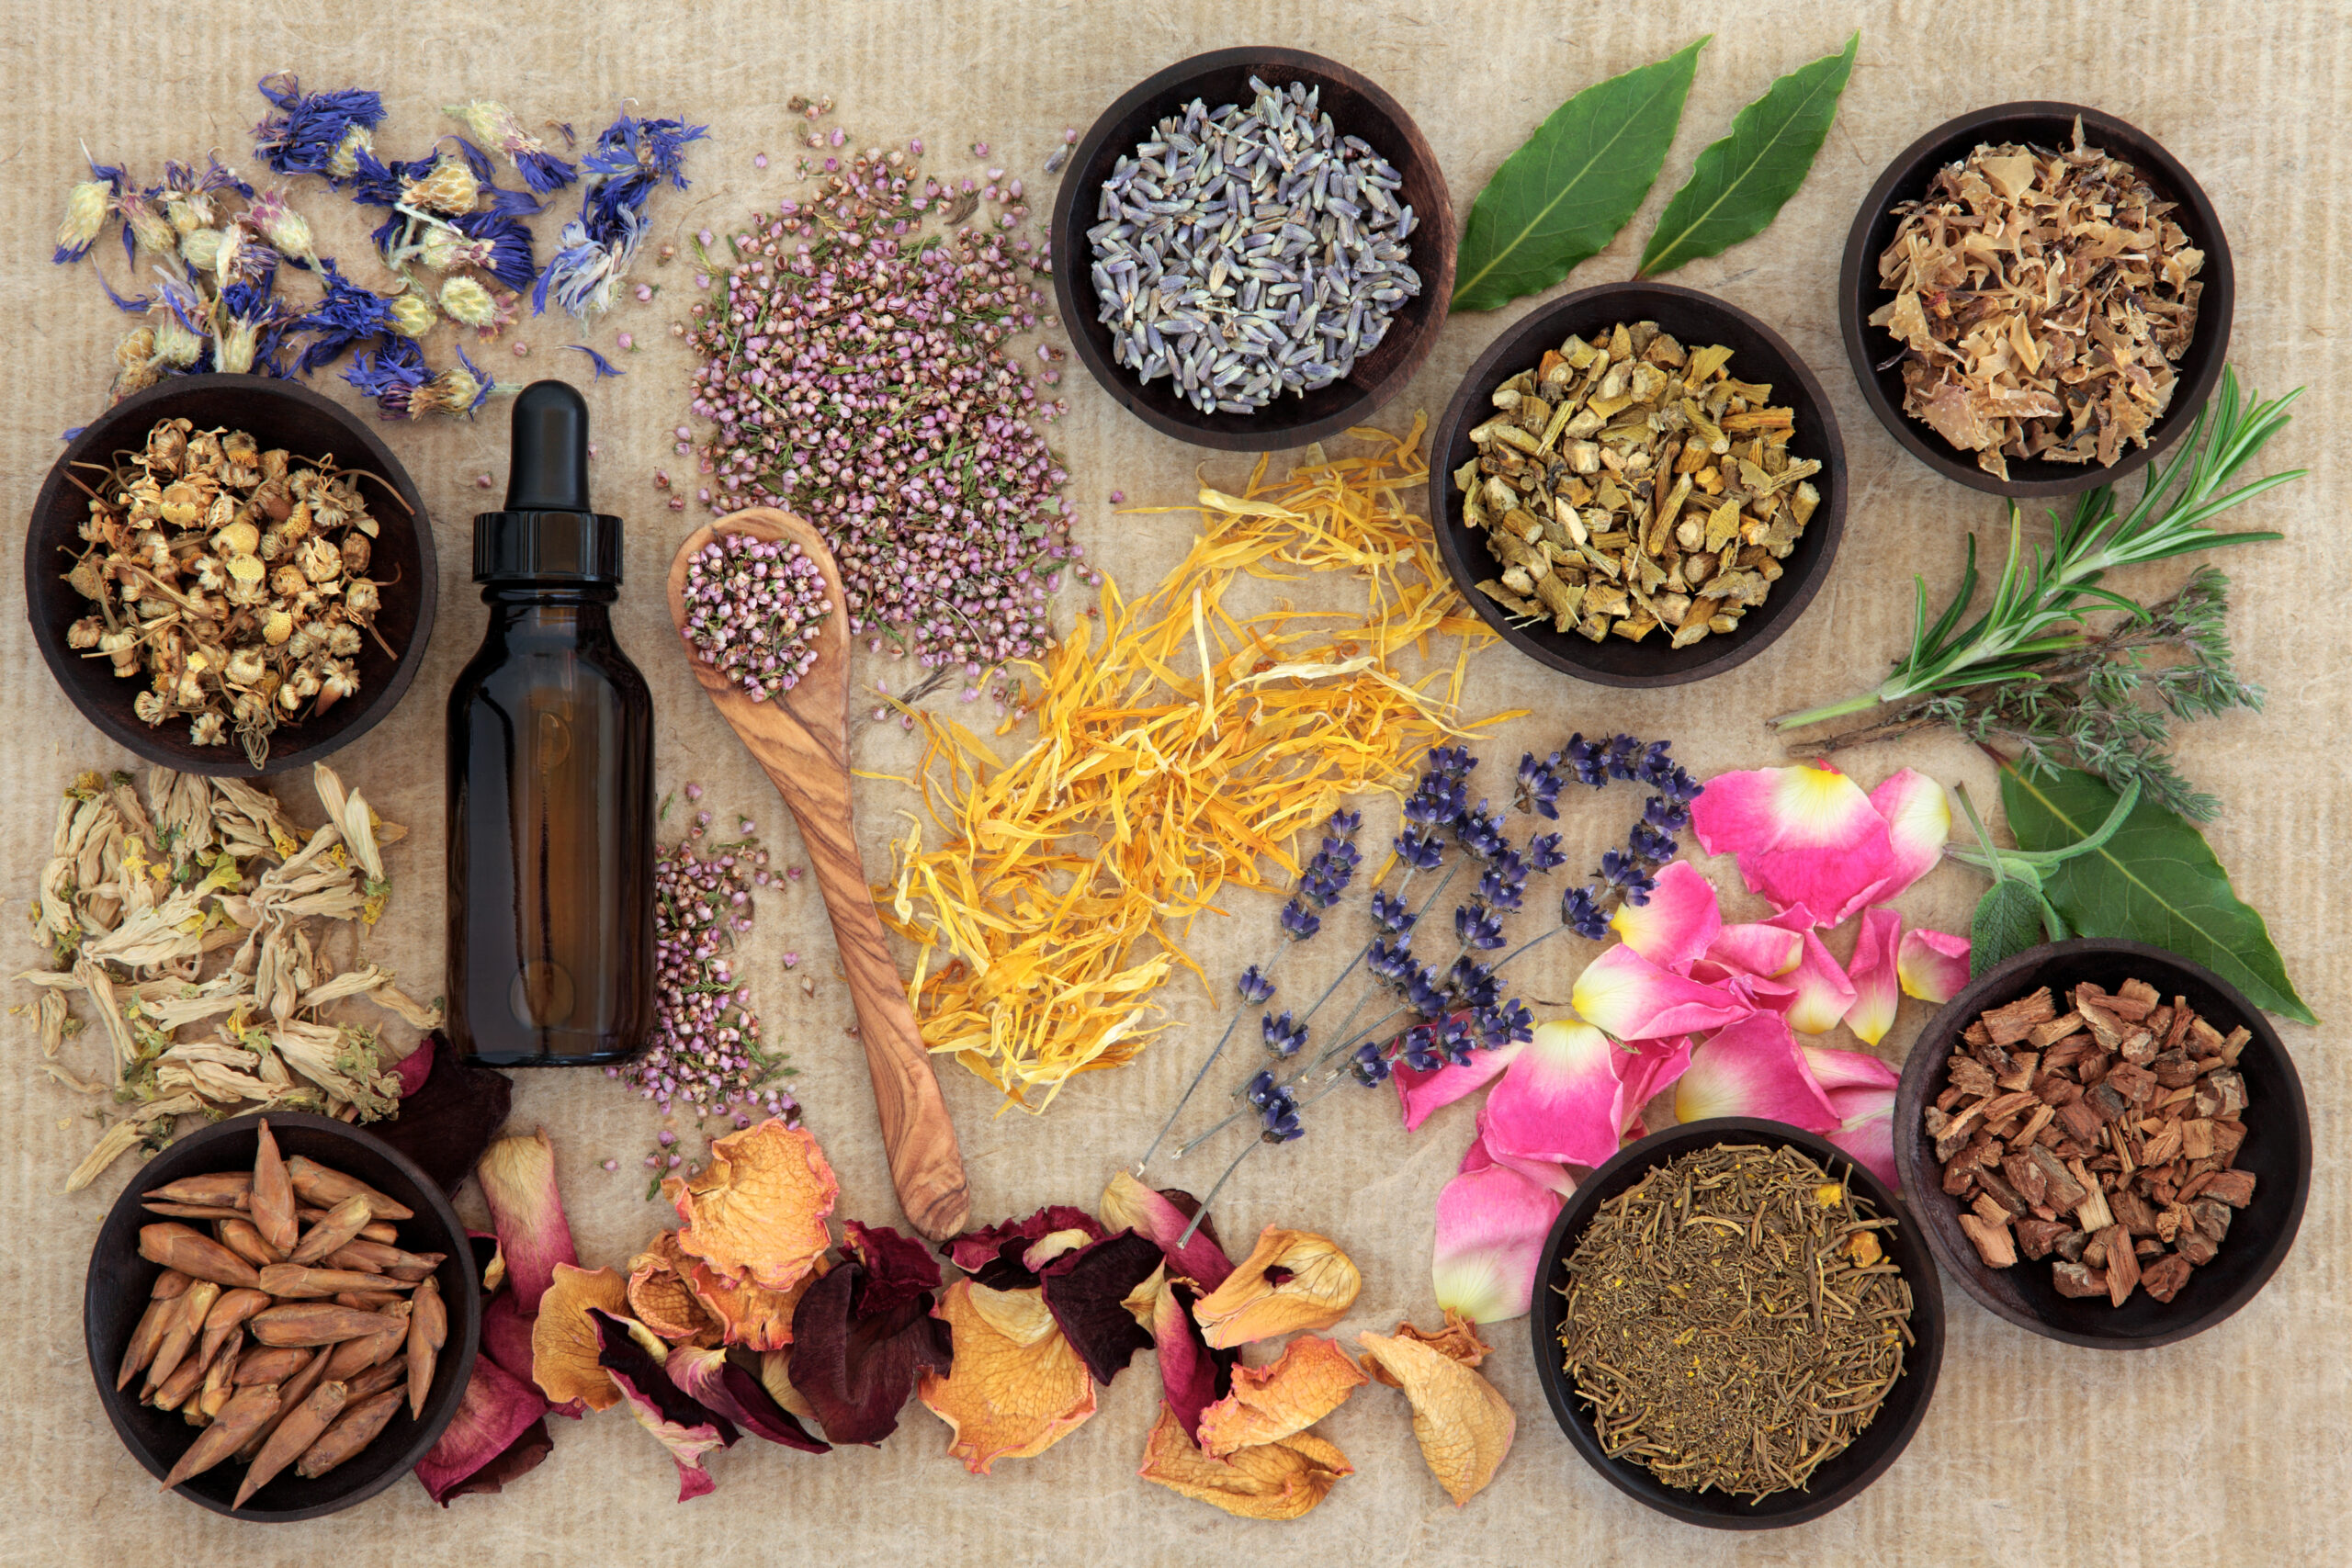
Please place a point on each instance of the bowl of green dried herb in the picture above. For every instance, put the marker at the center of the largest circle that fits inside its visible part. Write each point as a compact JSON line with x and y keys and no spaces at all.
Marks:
{"x":1737,"y":1324}
{"x":2105,"y":1144}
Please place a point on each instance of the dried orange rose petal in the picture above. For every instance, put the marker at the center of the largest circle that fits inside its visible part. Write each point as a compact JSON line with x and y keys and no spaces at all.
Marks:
{"x":660,"y":1296}
{"x":1312,"y":1378}
{"x":565,"y":1346}
{"x":1458,"y":1339}
{"x":1463,"y":1425}
{"x":1290,"y":1281}
{"x":757,"y":1210}
{"x":748,"y":1314}
{"x":1016,"y":1388}
{"x":1281,"y":1480}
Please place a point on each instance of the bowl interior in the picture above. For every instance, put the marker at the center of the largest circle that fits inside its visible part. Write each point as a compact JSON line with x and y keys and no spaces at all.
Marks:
{"x":275,"y":413}
{"x":1839,"y":1479}
{"x":1357,"y":108}
{"x":1698,"y":320}
{"x":2278,"y":1150}
{"x":120,"y":1282}
{"x":1876,"y":354}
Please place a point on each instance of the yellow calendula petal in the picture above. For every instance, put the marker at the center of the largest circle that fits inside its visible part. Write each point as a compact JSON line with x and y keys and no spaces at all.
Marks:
{"x":1309,"y":1380}
{"x":1280,"y":1480}
{"x":565,"y":1346}
{"x":1317,"y":1285}
{"x":1010,"y":1394}
{"x":1463,"y":1425}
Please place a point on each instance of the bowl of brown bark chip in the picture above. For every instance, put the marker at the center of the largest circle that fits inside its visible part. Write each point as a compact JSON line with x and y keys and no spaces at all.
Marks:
{"x":2104,"y":1143}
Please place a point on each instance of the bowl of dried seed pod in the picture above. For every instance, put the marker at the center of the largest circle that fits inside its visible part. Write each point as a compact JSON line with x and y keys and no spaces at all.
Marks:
{"x":1253,"y":249}
{"x":1640,"y":485}
{"x":230,"y":574}
{"x":2105,"y":1144}
{"x":2036,"y":298}
{"x":281,"y":1314}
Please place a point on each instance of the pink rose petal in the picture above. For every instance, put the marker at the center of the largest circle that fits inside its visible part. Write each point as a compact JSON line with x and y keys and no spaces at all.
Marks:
{"x":1754,"y":1068}
{"x":1423,"y":1095}
{"x":1932,"y":966}
{"x":1802,"y":836}
{"x":1678,"y":923}
{"x":1872,"y":973}
{"x":1852,"y":1081}
{"x":1819,"y":992}
{"x":1563,"y":1099}
{"x":1552,"y":1176}
{"x":1919,"y":820}
{"x":1868,"y":1133}
{"x":1757,"y":947}
{"x":1491,"y":1223}
{"x":1632,"y":998}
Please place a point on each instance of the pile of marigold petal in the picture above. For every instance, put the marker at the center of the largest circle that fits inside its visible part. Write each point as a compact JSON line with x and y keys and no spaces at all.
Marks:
{"x":1176,"y":752}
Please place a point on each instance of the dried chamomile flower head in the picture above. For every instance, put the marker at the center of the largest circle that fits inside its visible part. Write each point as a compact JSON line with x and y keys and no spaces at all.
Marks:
{"x":1290,"y":1281}
{"x":1631,"y":483}
{"x":2041,"y":299}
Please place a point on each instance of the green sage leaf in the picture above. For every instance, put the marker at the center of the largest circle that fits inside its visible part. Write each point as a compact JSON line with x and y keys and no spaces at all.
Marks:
{"x":1582,"y":176}
{"x":2155,"y":881}
{"x":1739,"y":185}
{"x":2009,"y":920}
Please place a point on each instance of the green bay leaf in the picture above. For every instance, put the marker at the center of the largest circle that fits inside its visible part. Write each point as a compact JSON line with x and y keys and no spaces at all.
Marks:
{"x":2007,"y":921}
{"x":2155,"y":881}
{"x":1563,"y":196}
{"x":1739,"y":185}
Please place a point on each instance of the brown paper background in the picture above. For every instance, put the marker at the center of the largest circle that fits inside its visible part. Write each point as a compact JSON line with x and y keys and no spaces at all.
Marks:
{"x":2223,"y":1449}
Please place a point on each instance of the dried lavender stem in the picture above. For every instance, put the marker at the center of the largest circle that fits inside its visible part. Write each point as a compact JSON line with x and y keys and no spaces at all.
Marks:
{"x":1203,"y":1211}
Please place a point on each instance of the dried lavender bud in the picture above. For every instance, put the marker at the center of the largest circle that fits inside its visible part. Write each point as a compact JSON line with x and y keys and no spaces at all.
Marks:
{"x":1282,"y":1036}
{"x":753,"y":609}
{"x":1254,"y":986}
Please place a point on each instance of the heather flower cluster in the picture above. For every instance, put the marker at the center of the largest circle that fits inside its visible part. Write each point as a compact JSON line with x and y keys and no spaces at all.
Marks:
{"x":753,"y":607}
{"x":854,"y":371}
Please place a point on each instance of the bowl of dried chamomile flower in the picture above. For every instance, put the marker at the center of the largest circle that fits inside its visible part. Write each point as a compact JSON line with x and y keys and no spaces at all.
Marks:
{"x":230,"y":574}
{"x":2036,"y":298}
{"x":1638,"y":485}
{"x":281,"y":1314}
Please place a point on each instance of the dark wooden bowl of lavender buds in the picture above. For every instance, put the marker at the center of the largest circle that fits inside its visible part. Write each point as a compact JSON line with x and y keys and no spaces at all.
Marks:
{"x":1303,"y":406}
{"x":277,"y":413}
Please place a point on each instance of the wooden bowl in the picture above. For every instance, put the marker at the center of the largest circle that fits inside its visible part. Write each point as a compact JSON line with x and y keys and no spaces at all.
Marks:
{"x":1357,"y":108}
{"x":1876,"y":356}
{"x":1758,"y":354}
{"x":2278,"y":1150}
{"x":275,"y":413}
{"x":119,"y":1280}
{"x":1877,"y":1446}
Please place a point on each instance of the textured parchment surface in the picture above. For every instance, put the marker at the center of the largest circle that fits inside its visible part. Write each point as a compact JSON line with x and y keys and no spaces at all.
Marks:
{"x":2225,"y":1449}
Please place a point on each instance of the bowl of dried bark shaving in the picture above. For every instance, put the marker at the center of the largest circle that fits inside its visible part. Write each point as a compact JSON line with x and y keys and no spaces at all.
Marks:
{"x":2277,"y":1150}
{"x":120,"y":1280}
{"x":1695,"y":321}
{"x":310,"y":427}
{"x":1878,"y":355}
{"x":1863,"y":1209}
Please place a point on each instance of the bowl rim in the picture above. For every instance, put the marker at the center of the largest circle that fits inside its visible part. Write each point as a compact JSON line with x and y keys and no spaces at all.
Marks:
{"x":1480,"y":380}
{"x":137,"y":739}
{"x":1924,"y":1362}
{"x":1857,"y":272}
{"x":1925,"y":1061}
{"x":1258,"y":431}
{"x":465,"y":1315}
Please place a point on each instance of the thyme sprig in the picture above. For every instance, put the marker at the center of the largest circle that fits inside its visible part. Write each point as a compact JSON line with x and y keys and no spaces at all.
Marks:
{"x":2038,"y":607}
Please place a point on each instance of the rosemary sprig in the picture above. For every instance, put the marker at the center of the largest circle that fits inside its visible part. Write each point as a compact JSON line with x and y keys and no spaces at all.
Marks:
{"x":2038,"y":607}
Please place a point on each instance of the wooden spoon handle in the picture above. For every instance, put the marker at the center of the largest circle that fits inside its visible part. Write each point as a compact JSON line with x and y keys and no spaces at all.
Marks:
{"x":926,"y":1166}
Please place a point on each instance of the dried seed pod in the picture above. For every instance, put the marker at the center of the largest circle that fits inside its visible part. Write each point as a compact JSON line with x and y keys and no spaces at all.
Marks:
{"x":162,"y":1310}
{"x":374,"y":1350}
{"x":181,"y":1335}
{"x":181,"y":1385}
{"x":292,"y":1280}
{"x":273,"y":1194}
{"x":239,"y":1237}
{"x":271,"y":1364}
{"x":248,"y":1409}
{"x":324,"y":1189}
{"x":342,"y":1224}
{"x":374,"y":1256}
{"x":366,"y":1300}
{"x":292,"y":1437}
{"x":290,"y":1395}
{"x":428,"y":1327}
{"x":369,"y":1381}
{"x":361,"y":1420}
{"x":218,"y":1190}
{"x":176,"y":1246}
{"x":228,"y":1316}
{"x":220,"y":1378}
{"x":181,"y":1211}
{"x":314,"y":1322}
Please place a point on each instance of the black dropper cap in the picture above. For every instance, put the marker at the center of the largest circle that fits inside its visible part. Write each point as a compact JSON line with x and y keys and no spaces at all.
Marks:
{"x":547,"y":532}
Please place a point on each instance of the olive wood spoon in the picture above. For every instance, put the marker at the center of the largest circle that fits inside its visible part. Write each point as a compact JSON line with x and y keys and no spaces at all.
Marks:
{"x":802,"y":740}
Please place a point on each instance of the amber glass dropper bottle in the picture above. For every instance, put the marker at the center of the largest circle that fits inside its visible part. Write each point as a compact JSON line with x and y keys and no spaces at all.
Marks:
{"x":550,"y":775}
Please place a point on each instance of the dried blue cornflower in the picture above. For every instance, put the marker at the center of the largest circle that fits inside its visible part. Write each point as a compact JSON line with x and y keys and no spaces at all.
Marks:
{"x":1503,"y":1022}
{"x":1282,"y":1036}
{"x":1580,"y":911}
{"x":631,"y":159}
{"x":315,"y":133}
{"x":390,"y":374}
{"x":190,"y":195}
{"x":1478,"y":926}
{"x":1418,"y":1049}
{"x":1472,"y":984}
{"x":1539,"y":786}
{"x":496,"y":242}
{"x":246,"y":332}
{"x":582,"y":275}
{"x":1254,"y":986}
{"x":1421,"y":852}
{"x":1369,"y":1065}
{"x":497,"y":126}
{"x":1391,"y":914}
{"x":597,"y":362}
{"x":88,"y":205}
{"x":1544,"y":852}
{"x":345,"y":317}
{"x":1504,"y":881}
{"x":1299,"y":922}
